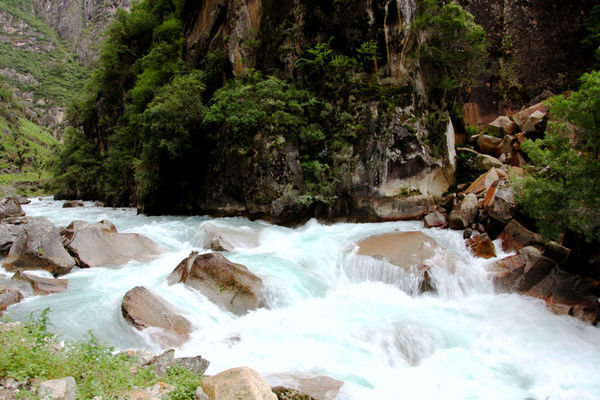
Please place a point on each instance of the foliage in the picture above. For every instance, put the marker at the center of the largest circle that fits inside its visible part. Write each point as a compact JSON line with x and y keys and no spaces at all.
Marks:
{"x":562,"y":191}
{"x":593,"y":27}
{"x":437,"y":125}
{"x":29,"y":351}
{"x":453,"y":47}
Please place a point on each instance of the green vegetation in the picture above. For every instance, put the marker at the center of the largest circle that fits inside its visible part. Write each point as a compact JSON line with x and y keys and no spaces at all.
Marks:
{"x":454,"y":49}
{"x":561,"y":193}
{"x":29,"y":351}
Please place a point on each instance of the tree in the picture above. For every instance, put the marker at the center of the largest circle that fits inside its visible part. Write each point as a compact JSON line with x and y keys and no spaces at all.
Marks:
{"x":562,"y":191}
{"x":454,"y":48}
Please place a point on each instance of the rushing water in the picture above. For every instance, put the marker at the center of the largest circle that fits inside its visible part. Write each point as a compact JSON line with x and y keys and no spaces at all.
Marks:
{"x":338,"y":314}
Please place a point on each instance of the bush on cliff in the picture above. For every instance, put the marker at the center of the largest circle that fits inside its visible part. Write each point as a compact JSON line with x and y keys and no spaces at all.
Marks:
{"x":562,"y":191}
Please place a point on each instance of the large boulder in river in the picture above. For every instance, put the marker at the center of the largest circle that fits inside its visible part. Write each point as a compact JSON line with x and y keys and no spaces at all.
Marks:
{"x":100,"y":245}
{"x":39,"y":246}
{"x":145,"y":309}
{"x":403,"y":249}
{"x":515,"y":236}
{"x":228,"y":285}
{"x":10,"y":207}
{"x":521,"y":271}
{"x":237,"y":383}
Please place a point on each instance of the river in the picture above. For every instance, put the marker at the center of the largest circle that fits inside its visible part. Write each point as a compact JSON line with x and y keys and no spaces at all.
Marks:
{"x":332,"y":312}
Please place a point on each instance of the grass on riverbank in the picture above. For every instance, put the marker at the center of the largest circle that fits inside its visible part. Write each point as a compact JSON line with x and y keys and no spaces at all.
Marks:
{"x":29,"y":352}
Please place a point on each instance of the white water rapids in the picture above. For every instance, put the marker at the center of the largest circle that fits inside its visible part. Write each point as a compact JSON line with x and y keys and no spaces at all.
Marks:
{"x":338,"y":314}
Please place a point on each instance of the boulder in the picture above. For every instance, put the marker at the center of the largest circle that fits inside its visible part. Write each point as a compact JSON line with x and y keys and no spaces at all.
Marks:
{"x":482,"y":162}
{"x":401,"y":249}
{"x":41,"y":286}
{"x":567,"y":294}
{"x":489,"y":144}
{"x":515,"y":236}
{"x":506,"y":145}
{"x":503,"y":126}
{"x":535,"y":122}
{"x":435,"y":220}
{"x":21,"y":200}
{"x":499,"y":201}
{"x":163,"y":362}
{"x":228,"y":285}
{"x":223,"y":238}
{"x":58,"y":389}
{"x":317,"y":387}
{"x":39,"y":246}
{"x":482,"y":246}
{"x":521,"y":117}
{"x":464,"y":212}
{"x":9,"y":207}
{"x":72,"y":204}
{"x":522,"y":271}
{"x":144,"y":309}
{"x":100,"y":245}
{"x":284,"y":393}
{"x":237,"y":383}
{"x":485,"y":181}
{"x":8,"y":234}
{"x":8,"y":297}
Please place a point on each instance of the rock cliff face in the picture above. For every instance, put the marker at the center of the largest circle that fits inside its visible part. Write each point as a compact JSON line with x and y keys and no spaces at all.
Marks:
{"x":79,"y":22}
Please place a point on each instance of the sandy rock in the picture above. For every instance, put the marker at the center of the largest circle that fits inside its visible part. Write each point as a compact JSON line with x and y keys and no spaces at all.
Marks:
{"x":482,"y":246}
{"x":435,"y":220}
{"x":144,"y":309}
{"x":39,"y":246}
{"x":464,"y":212}
{"x":401,"y":249}
{"x":236,"y":384}
{"x":317,"y":387}
{"x":58,"y":389}
{"x":100,"y":245}
{"x":499,"y":201}
{"x":229,"y":285}
{"x":9,"y":207}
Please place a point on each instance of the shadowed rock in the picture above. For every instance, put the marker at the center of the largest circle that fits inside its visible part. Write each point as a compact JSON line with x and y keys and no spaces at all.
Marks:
{"x":100,"y":245}
{"x":39,"y":246}
{"x":228,"y":285}
{"x":10,"y":207}
{"x":144,"y":309}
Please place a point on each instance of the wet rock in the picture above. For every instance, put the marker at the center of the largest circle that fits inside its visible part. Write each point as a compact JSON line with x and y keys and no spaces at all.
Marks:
{"x":485,"y":181}
{"x":39,"y":246}
{"x":401,"y":249}
{"x":166,"y":360}
{"x":515,"y":236}
{"x":9,"y":207}
{"x":435,"y":220}
{"x":100,"y":245}
{"x":522,"y":271}
{"x":40,"y":286}
{"x":59,"y":389}
{"x":144,"y":309}
{"x":283,"y":393}
{"x":489,"y":144}
{"x":317,"y":387}
{"x":8,"y":297}
{"x":228,"y":285}
{"x":237,"y":383}
{"x":72,"y":204}
{"x":464,"y":212}
{"x":567,"y":294}
{"x":482,"y":246}
{"x":499,"y":201}
{"x":223,"y":238}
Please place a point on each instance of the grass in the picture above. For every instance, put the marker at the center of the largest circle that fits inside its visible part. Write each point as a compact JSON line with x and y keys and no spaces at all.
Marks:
{"x":29,"y":352}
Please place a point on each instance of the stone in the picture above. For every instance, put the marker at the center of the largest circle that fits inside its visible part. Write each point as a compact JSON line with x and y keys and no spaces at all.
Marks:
{"x":483,"y":162}
{"x":401,"y":249}
{"x":144,"y":309}
{"x":534,"y":122}
{"x":516,"y":159}
{"x":464,"y":212}
{"x":72,"y":204}
{"x":284,"y":393}
{"x":166,"y":360}
{"x":503,"y":126}
{"x":8,"y":234}
{"x":522,"y":116}
{"x":485,"y":181}
{"x":489,"y":144}
{"x":230,"y":286}
{"x":9,"y":207}
{"x":318,"y":387}
{"x":506,"y":145}
{"x":8,"y":297}
{"x":435,"y":220}
{"x":499,"y":201}
{"x":224,"y":238}
{"x":482,"y":246}
{"x":42,"y":286}
{"x":200,"y":395}
{"x":522,"y":271}
{"x":515,"y":236}
{"x":568,"y":294}
{"x":39,"y":246}
{"x":235,"y":384}
{"x":21,"y":200}
{"x":59,"y":389}
{"x":101,"y":245}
